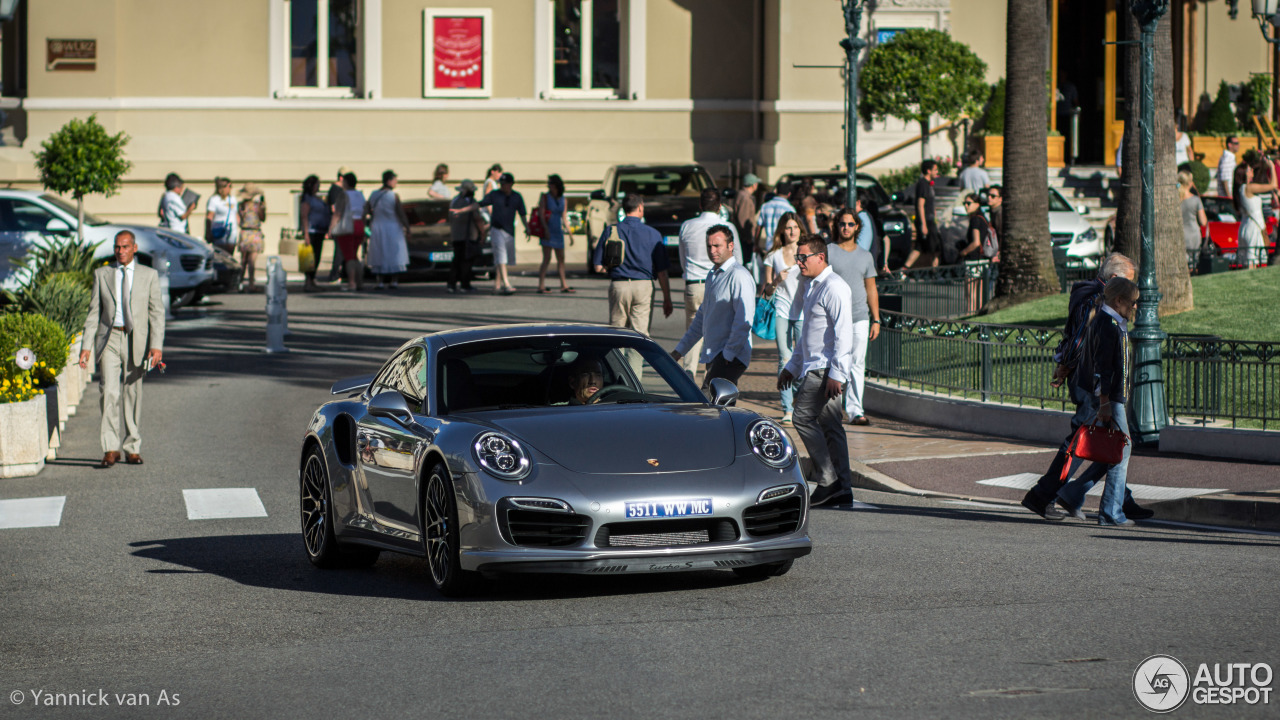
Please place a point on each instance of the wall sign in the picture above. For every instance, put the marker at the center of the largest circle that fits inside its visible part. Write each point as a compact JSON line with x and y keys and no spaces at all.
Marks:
{"x":457,"y":52}
{"x":79,"y":55}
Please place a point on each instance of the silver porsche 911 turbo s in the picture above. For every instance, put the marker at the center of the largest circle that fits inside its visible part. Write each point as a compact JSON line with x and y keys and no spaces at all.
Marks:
{"x":547,"y":449}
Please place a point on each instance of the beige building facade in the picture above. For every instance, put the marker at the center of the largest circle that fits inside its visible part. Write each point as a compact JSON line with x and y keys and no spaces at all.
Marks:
{"x":273,"y":90}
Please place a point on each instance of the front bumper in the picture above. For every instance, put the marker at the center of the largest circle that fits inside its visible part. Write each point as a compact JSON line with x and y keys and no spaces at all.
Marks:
{"x":492,"y":564}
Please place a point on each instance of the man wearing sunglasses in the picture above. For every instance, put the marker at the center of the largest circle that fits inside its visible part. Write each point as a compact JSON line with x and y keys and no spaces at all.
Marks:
{"x":821,"y":364}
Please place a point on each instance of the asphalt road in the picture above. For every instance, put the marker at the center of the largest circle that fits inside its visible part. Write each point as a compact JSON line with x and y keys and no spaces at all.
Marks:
{"x":909,"y":608}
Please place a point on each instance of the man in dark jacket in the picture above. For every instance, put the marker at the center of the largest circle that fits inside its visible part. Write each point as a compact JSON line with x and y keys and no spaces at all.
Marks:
{"x":1083,"y":307}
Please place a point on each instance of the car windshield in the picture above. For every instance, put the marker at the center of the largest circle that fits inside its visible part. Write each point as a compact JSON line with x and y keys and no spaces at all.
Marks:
{"x":1219,"y":209}
{"x":426,"y":212}
{"x":1057,"y":203}
{"x":653,"y":182}
{"x":70,"y":209}
{"x":557,"y":372}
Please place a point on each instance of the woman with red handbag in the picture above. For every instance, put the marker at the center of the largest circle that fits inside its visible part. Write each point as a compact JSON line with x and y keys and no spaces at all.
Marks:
{"x":1104,"y":373}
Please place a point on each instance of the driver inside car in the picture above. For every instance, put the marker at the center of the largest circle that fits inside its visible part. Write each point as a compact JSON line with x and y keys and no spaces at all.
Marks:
{"x":585,"y":380}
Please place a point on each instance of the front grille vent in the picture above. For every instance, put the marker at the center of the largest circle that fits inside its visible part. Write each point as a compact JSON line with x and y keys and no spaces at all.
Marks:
{"x":667,"y":533}
{"x":773,"y":518}
{"x":191,"y":263}
{"x":1060,"y":238}
{"x":537,"y":528}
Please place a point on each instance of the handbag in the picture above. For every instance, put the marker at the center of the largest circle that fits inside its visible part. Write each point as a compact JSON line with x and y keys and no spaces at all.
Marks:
{"x":537,"y":228}
{"x":765,"y":323}
{"x":1097,"y":443}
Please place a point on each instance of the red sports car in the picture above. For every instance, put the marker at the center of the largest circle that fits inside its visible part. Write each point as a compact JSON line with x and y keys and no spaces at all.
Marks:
{"x":1224,"y":228}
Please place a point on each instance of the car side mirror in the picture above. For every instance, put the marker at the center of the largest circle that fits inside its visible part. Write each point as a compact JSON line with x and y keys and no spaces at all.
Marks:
{"x":1083,"y":209}
{"x":390,"y":404}
{"x":598,"y":195}
{"x":723,"y":393}
{"x":57,"y":226}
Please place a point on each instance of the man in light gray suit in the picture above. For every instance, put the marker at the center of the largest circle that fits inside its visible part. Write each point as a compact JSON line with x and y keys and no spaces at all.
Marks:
{"x":121,"y":333}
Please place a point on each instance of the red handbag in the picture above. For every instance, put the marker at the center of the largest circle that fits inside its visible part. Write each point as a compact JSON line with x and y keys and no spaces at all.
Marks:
{"x":1097,"y":443}
{"x":536,"y":227}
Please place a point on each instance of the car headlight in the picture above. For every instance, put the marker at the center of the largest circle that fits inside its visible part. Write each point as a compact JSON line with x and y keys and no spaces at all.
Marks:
{"x":1087,"y":236}
{"x":621,"y":215}
{"x":770,"y":444}
{"x":502,"y":456}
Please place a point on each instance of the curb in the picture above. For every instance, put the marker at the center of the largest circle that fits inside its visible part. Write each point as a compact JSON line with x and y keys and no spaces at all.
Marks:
{"x":1246,"y":512}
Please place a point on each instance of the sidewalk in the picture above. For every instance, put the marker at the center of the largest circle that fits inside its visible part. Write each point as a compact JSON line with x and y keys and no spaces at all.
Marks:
{"x":916,"y":459}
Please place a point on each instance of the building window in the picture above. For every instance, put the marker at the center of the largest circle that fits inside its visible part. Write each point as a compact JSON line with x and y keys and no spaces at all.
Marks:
{"x":586,"y":48}
{"x":324,"y":48}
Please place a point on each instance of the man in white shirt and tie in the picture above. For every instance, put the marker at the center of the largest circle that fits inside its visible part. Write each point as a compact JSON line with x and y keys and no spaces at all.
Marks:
{"x":695,"y":265}
{"x":125,"y":322}
{"x":723,"y":320}
{"x":821,"y":364}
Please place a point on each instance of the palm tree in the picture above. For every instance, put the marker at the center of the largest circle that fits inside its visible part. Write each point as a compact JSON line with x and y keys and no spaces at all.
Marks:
{"x":1026,"y":268}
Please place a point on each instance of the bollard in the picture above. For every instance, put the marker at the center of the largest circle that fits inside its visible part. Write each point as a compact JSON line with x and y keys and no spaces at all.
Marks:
{"x":161,"y":266}
{"x":277,"y":310}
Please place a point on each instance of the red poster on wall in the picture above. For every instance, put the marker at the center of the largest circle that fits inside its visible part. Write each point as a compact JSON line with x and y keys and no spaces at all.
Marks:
{"x":458,"y":54}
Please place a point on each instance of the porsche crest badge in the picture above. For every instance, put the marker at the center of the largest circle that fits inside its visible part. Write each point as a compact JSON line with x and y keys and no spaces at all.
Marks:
{"x":653,"y":462}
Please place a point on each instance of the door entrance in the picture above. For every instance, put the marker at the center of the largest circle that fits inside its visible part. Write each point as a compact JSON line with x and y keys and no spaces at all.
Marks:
{"x":1083,"y":75}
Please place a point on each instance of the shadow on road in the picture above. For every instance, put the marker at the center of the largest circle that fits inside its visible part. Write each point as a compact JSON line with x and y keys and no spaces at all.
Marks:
{"x":278,"y":562}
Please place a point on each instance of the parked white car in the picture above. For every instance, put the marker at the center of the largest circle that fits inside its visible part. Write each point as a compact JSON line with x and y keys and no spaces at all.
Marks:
{"x":29,"y":219}
{"x":1067,"y":227}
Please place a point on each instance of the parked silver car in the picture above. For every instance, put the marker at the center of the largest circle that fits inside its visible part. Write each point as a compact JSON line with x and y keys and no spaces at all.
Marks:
{"x":29,"y":219}
{"x":547,"y":449}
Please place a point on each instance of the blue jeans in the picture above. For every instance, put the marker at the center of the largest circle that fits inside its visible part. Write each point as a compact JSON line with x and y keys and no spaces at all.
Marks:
{"x":787,"y":332}
{"x":1072,"y":494}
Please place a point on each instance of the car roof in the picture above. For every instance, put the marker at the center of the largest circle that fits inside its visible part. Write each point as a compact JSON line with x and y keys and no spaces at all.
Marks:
{"x":523,"y":330}
{"x":21,"y":193}
{"x":658,"y":166}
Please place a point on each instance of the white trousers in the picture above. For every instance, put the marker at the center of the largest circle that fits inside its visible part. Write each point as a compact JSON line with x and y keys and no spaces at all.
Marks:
{"x":857,"y":370}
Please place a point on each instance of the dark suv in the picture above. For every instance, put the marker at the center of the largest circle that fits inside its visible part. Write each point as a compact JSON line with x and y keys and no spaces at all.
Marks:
{"x":829,"y":185}
{"x":671,"y":195}
{"x":430,"y":247}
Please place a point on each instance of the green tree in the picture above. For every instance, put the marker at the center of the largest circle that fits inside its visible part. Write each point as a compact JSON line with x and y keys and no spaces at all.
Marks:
{"x":1221,"y":121}
{"x":993,"y":121}
{"x":920,"y":73}
{"x":82,"y":158}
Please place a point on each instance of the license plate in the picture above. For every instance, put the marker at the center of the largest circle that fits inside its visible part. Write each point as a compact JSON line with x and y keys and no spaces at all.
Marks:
{"x":669,"y":508}
{"x":671,"y":240}
{"x":446,"y":256}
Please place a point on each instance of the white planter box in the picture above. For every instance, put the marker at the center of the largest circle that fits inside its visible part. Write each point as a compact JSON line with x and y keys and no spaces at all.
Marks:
{"x":23,"y":437}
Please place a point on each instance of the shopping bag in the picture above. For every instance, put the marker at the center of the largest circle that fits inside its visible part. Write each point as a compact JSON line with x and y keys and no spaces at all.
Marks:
{"x":764,"y":324}
{"x":1097,"y":443}
{"x":306,"y":258}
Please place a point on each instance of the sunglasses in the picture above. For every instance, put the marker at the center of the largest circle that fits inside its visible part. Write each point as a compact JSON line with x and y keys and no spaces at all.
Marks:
{"x":801,"y":257}
{"x":848,"y":224}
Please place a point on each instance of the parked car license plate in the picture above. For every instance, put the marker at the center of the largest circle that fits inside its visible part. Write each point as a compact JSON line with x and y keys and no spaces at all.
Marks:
{"x":671,"y":240}
{"x":669,"y":508}
{"x":445,"y":256}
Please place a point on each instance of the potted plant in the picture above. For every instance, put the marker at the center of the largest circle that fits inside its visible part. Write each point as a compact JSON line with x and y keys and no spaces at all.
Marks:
{"x":24,"y":439}
{"x":48,"y":344}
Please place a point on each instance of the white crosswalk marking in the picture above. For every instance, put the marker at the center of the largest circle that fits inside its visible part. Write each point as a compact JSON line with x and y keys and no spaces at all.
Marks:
{"x":1025,"y":481}
{"x":222,"y":503}
{"x":31,"y":512}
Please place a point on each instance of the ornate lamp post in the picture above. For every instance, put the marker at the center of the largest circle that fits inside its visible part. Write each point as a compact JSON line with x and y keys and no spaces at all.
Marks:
{"x":1148,"y":404}
{"x":1267,"y":12}
{"x":852,"y":45}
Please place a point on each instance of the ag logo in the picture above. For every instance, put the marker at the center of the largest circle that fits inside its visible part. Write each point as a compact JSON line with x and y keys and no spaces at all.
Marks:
{"x":1161,"y":683}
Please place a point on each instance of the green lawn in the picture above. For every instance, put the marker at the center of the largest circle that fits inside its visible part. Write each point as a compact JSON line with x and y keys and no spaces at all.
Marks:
{"x":1236,"y":305}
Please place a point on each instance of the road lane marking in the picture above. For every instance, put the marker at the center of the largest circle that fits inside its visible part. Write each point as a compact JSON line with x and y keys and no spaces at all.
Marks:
{"x":955,"y":456}
{"x":1026,"y":481}
{"x":31,"y":512}
{"x":222,"y":503}
{"x":973,"y":503}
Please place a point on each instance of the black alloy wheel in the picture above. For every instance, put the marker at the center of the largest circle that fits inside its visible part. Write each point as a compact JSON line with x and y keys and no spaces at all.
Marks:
{"x":317,"y":518}
{"x":439,"y":519}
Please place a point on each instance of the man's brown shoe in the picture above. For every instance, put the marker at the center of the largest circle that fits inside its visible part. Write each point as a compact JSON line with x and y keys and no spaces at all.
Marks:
{"x":109,"y":459}
{"x":133,"y":458}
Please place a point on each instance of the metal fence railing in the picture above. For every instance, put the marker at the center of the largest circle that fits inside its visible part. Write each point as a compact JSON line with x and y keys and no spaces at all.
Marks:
{"x":947,"y":291}
{"x":1207,"y":379}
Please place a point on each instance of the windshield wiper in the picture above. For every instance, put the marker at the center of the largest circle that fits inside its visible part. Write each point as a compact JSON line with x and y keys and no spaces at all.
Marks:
{"x":630,"y":401}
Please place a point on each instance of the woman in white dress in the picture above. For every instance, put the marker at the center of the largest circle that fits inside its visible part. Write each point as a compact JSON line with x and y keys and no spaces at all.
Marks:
{"x":1251,"y":250}
{"x":388,"y":228}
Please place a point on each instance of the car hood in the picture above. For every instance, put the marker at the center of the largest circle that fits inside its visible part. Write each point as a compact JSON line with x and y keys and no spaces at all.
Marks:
{"x":668,"y":210}
{"x":627,"y":439}
{"x":1062,"y":222}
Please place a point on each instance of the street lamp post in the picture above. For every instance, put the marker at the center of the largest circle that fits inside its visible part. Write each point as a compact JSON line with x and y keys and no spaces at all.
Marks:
{"x":1265,"y":11}
{"x":852,"y":45}
{"x":1148,"y":404}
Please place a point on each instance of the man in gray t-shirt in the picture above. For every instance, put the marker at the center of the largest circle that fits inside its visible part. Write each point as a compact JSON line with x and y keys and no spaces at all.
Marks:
{"x":857,"y":268}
